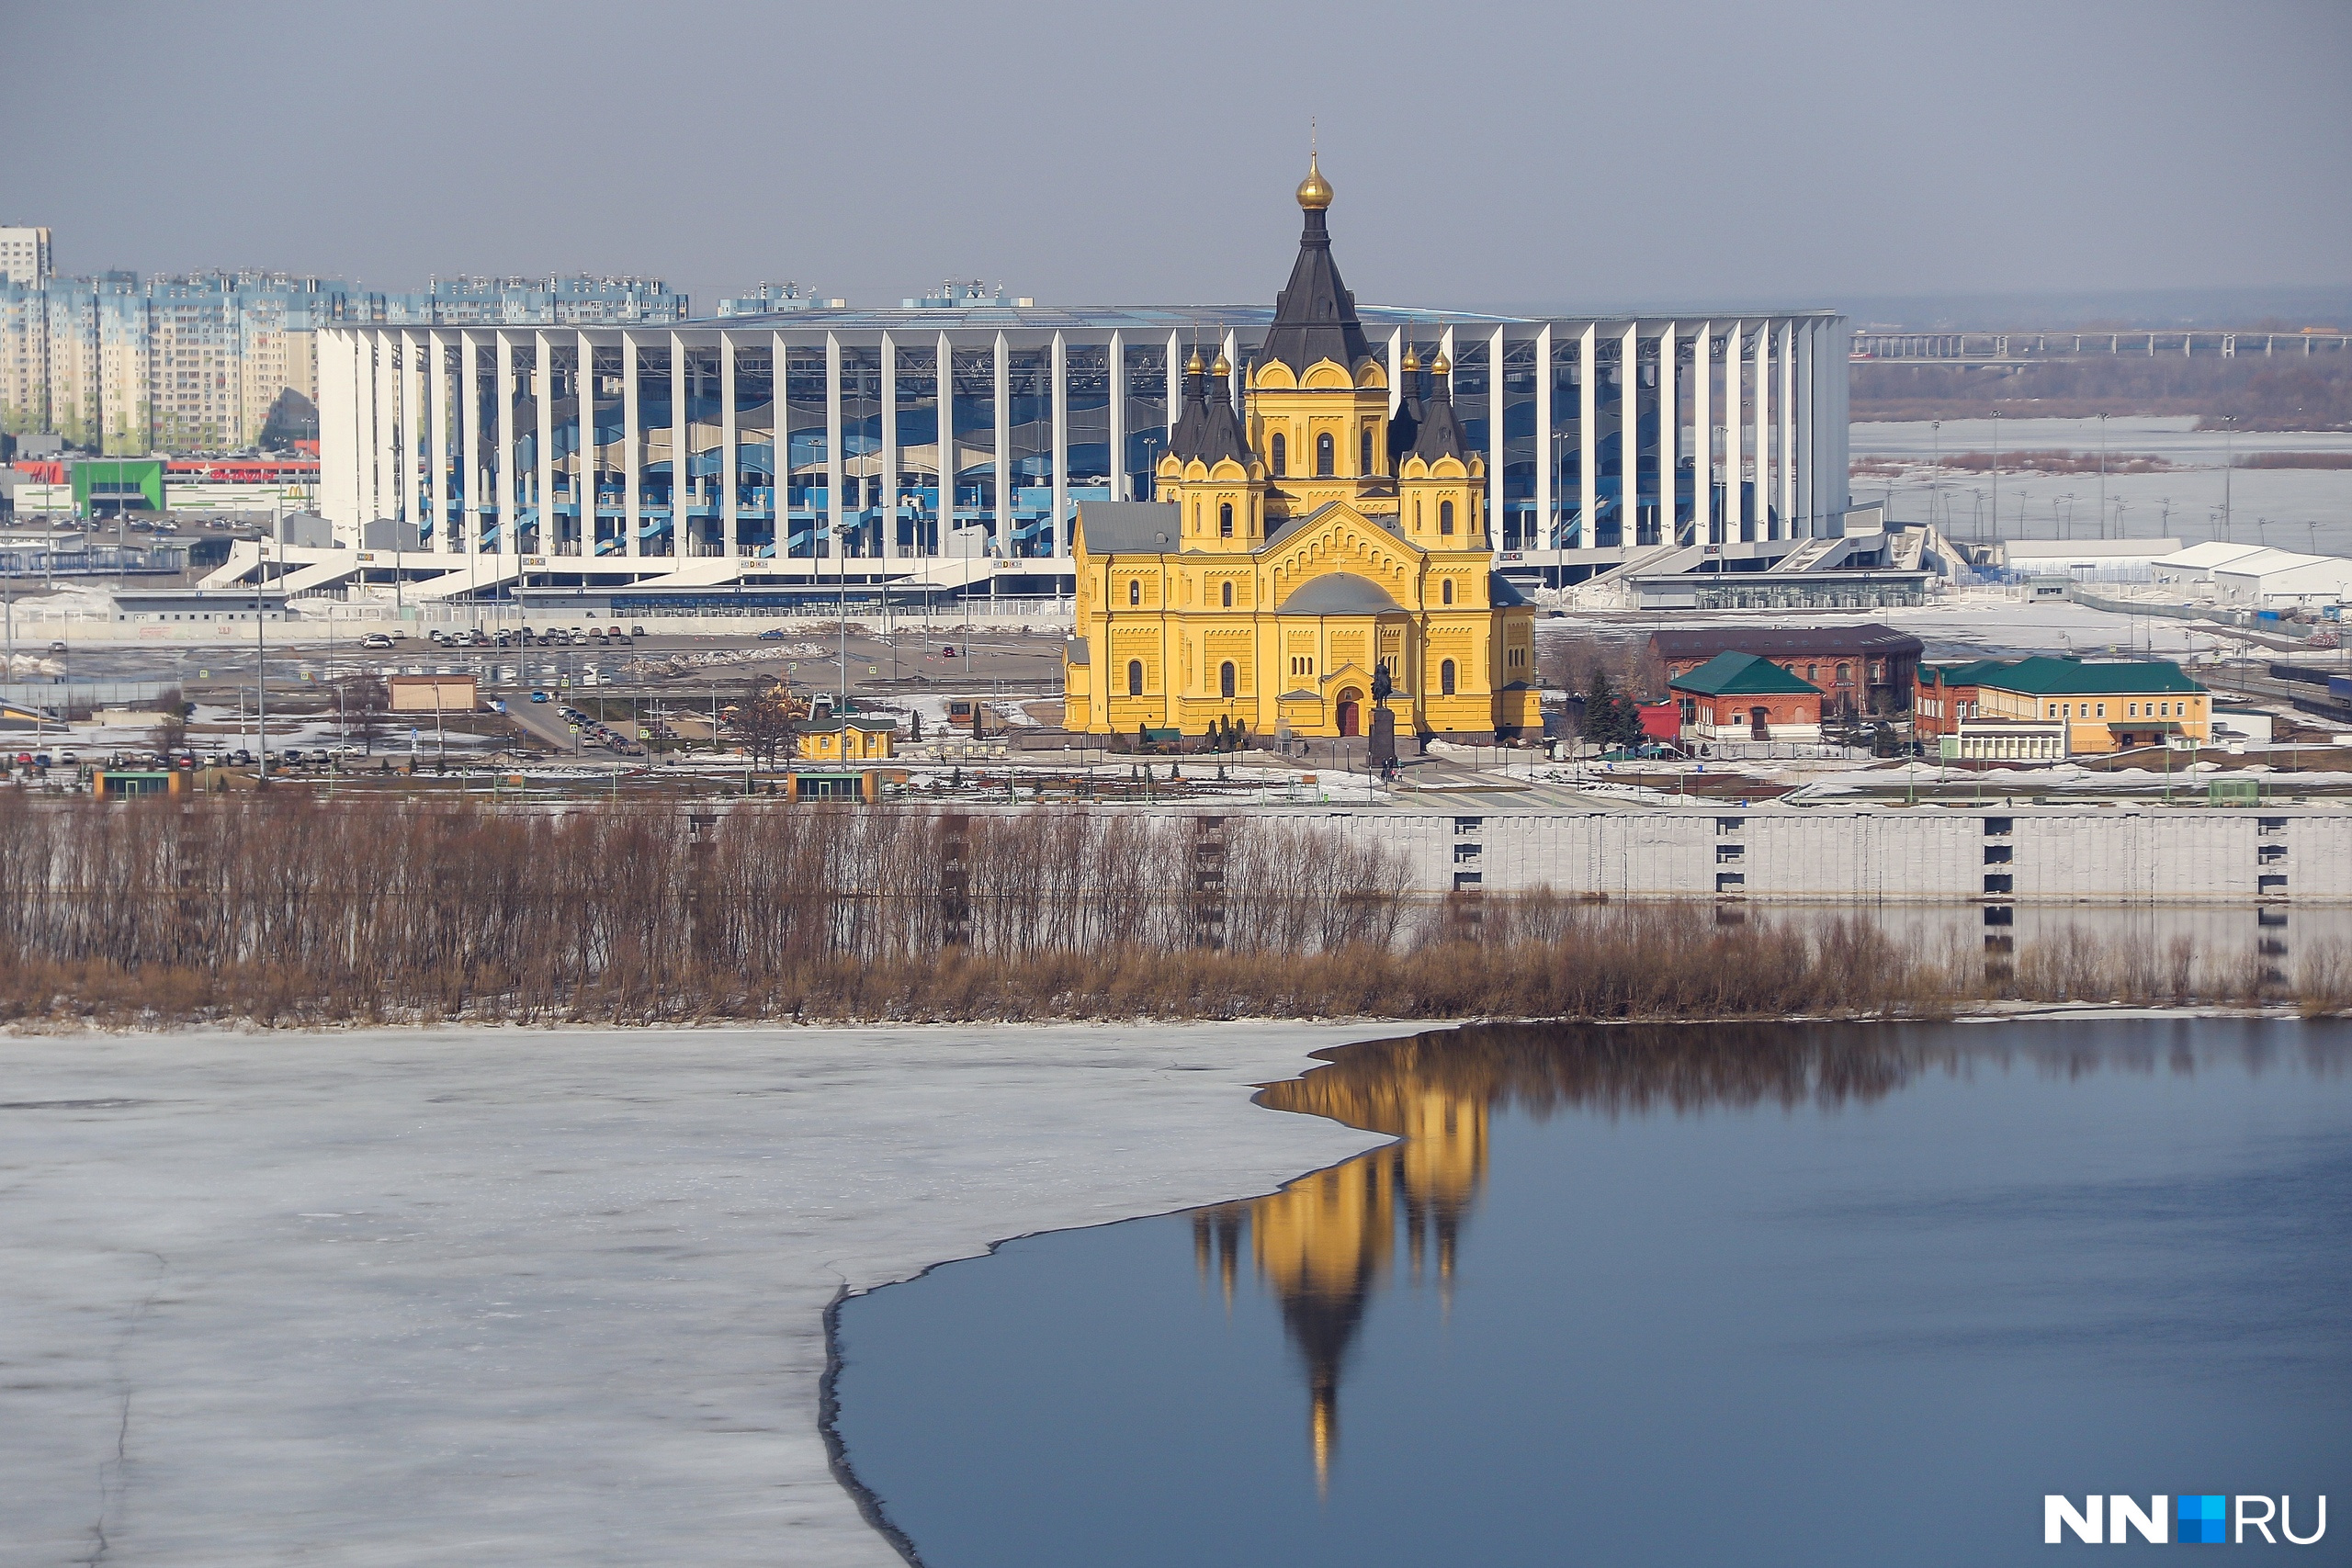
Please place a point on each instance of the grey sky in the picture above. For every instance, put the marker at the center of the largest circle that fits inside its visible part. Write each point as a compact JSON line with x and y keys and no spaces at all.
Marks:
{"x":1576,"y":155}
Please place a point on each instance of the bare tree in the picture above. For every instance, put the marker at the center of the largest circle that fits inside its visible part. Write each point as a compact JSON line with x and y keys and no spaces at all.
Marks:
{"x":764,"y":720}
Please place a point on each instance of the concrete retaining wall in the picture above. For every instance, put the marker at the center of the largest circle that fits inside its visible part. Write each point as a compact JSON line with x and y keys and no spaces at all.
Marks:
{"x":2089,"y":854}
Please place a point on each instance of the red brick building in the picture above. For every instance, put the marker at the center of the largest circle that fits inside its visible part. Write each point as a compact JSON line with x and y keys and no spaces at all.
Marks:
{"x":1859,"y":670}
{"x":1742,"y":696}
{"x":1947,"y":694}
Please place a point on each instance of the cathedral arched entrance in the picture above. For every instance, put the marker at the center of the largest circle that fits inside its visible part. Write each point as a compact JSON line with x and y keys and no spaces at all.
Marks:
{"x":1351,"y":711}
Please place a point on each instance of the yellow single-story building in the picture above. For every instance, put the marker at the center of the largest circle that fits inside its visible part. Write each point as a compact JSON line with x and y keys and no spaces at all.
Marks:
{"x":854,"y":739}
{"x":2105,"y":705}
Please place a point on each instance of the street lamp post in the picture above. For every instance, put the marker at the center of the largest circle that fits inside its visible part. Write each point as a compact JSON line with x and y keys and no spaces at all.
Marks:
{"x":1996,"y":476}
{"x":842,"y":530}
{"x":2102,"y":476}
{"x":2229,"y":462}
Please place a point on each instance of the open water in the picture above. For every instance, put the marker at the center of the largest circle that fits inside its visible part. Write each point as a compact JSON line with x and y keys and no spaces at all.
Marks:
{"x":1778,"y":1294}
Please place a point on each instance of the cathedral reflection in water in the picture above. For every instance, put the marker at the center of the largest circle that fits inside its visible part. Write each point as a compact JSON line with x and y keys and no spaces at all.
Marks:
{"x":1323,"y":1243}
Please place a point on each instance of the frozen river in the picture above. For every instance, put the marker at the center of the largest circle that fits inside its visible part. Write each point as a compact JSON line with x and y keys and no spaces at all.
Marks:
{"x":2296,"y":509}
{"x":541,"y":1298}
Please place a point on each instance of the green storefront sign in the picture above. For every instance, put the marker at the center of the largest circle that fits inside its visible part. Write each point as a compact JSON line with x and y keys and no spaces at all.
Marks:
{"x":107,"y":485}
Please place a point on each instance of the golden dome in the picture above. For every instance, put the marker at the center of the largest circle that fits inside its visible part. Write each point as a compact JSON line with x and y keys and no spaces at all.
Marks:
{"x":1441,"y":364}
{"x":1412,"y":357}
{"x":1221,"y":369}
{"x":1314,"y":191}
{"x":1192,"y":366}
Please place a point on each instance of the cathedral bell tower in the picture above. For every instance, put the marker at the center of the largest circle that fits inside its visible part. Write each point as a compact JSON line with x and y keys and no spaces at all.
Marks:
{"x":1441,"y":478}
{"x":1319,"y":397}
{"x":1218,"y":483}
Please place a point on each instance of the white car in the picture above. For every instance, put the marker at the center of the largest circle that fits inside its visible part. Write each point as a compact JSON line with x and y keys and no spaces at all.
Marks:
{"x":375,"y":639}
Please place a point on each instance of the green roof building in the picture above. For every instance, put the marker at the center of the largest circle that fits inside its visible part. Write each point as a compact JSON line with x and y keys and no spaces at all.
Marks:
{"x":1740,"y":674}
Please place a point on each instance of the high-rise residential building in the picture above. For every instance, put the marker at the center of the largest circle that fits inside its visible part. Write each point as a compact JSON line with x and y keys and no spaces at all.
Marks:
{"x":23,"y":254}
{"x":197,"y":363}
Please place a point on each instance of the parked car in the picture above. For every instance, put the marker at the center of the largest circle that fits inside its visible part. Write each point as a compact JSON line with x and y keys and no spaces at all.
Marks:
{"x":637,"y":631}
{"x":614,"y":632}
{"x":69,"y":759}
{"x":540,"y":697}
{"x":375,"y":639}
{"x":57,"y":648}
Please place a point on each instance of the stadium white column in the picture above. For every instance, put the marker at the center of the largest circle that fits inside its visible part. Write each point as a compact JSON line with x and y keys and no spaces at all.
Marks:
{"x":395,"y":434}
{"x":437,"y":446}
{"x":888,"y":359}
{"x":1766,"y":526}
{"x":780,"y":431}
{"x":1670,"y":438}
{"x":946,"y":443}
{"x":1588,"y":446}
{"x":543,"y":401}
{"x":727,"y":446}
{"x":371,"y":420}
{"x":1395,"y":378}
{"x":1175,"y":401}
{"x":470,"y":440}
{"x":1788,"y":429}
{"x":1703,"y":435}
{"x":1547,"y":450}
{"x":837,"y":510}
{"x":1629,"y":436}
{"x":1061,"y":447}
{"x":1003,"y":371}
{"x":632,"y":441}
{"x":681,"y":464}
{"x":509,"y":530}
{"x":1121,"y":483}
{"x":408,"y":426}
{"x":1735,"y":440}
{"x":1496,"y":499}
{"x":585,"y":458}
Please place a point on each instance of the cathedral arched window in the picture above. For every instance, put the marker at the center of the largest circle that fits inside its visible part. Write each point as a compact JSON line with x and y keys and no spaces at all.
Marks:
{"x":1135,"y":677}
{"x":1445,"y":517}
{"x":1225,"y":679}
{"x":1228,"y":604}
{"x":1444,"y":677}
{"x":1134,"y":592}
{"x":1366,"y":467}
{"x":1281,"y":456}
{"x":1446,"y":591}
{"x":1324,"y":456}
{"x":1225,"y":520}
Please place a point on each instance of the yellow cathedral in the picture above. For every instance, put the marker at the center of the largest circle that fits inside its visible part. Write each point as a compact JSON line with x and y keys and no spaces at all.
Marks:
{"x":1307,"y":559}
